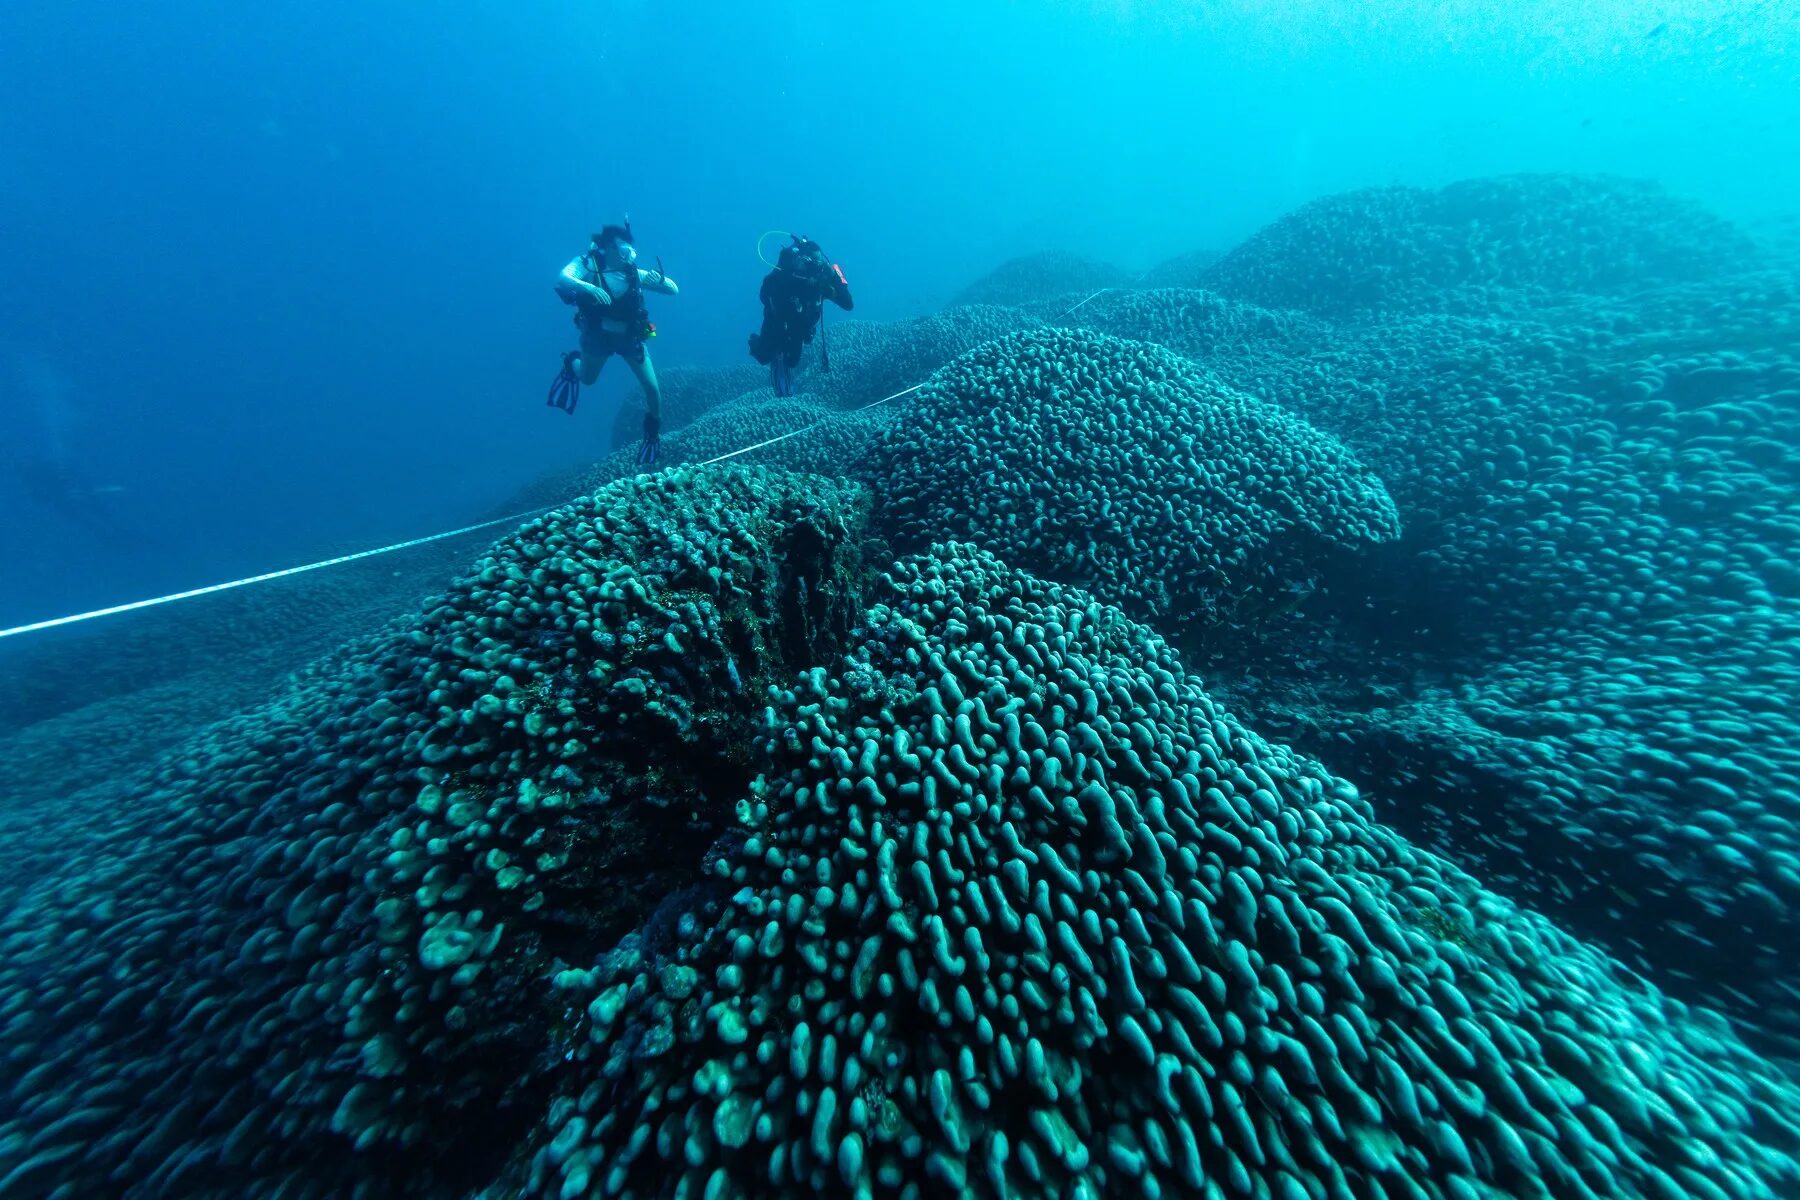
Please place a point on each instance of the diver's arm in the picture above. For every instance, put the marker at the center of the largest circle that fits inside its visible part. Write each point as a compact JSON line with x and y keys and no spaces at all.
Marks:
{"x":571,"y":281}
{"x":656,"y":281}
{"x":838,"y":288}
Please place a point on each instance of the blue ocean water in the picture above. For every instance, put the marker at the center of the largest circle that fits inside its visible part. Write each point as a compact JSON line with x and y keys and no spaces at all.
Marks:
{"x":1257,"y":660}
{"x":280,"y":274}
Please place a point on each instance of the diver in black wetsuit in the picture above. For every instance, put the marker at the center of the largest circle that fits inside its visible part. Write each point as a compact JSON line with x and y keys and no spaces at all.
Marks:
{"x":793,"y":300}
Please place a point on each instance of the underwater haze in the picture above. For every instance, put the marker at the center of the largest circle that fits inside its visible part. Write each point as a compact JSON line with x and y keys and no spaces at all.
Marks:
{"x":1252,"y":654}
{"x":279,"y":274}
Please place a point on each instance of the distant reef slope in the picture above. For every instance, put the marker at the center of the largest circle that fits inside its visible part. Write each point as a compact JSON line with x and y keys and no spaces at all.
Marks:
{"x":869,"y":359}
{"x":1032,"y":278}
{"x":1409,"y":249}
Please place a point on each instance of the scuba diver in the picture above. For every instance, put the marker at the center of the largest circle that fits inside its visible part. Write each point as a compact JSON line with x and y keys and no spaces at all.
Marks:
{"x":607,"y":288}
{"x":793,"y":300}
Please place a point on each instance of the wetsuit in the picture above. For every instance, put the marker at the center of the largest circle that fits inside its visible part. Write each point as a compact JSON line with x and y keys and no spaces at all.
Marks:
{"x":607,"y":288}
{"x":793,"y":300}
{"x":616,"y":328}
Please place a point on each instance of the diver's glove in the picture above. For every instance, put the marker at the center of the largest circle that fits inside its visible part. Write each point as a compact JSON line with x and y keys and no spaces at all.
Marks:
{"x":652,"y":443}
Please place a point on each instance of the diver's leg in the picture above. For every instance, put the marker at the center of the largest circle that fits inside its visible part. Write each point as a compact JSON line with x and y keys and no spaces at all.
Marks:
{"x":594,"y":353}
{"x":645,"y":370}
{"x":793,"y":363}
{"x":641,"y":366}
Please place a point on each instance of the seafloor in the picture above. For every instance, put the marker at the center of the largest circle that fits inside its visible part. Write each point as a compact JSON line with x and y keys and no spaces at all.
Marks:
{"x":1315,"y":721}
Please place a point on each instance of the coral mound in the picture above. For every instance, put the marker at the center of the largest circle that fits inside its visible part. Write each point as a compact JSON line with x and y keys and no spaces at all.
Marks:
{"x":832,"y":439}
{"x":688,"y":393}
{"x":1022,"y":912}
{"x":1033,"y":278}
{"x":1205,"y":326}
{"x":1121,"y":467}
{"x":1448,"y":250}
{"x":868,"y":360}
{"x":323,"y":926}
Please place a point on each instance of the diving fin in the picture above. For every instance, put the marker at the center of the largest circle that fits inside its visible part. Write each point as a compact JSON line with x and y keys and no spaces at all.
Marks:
{"x":565,"y":389}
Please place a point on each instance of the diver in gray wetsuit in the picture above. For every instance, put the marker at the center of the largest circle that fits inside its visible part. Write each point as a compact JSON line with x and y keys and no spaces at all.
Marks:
{"x":607,"y":288}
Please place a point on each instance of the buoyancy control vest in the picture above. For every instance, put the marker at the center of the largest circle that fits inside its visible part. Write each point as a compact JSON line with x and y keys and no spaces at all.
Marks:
{"x":628,"y":311}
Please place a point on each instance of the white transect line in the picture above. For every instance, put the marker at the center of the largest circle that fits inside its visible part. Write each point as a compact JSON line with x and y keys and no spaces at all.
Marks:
{"x":35,"y":626}
{"x":1065,"y":312}
{"x":805,"y":428}
{"x":264,"y":578}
